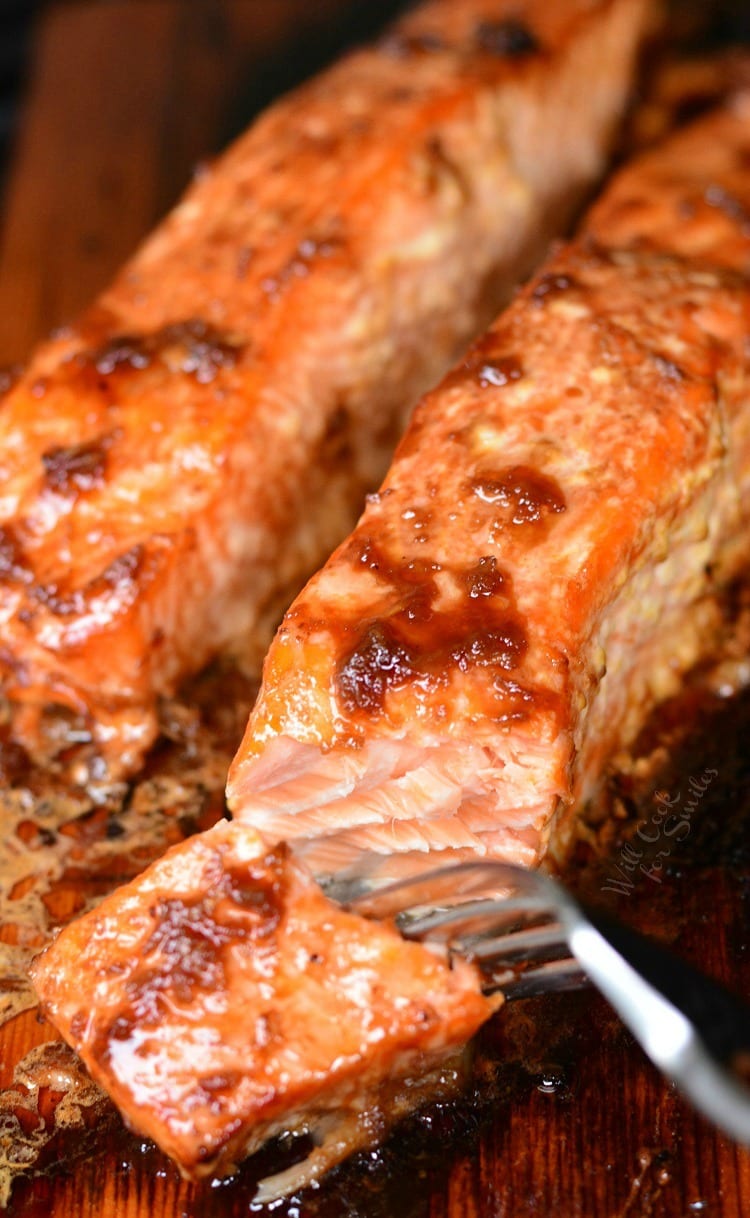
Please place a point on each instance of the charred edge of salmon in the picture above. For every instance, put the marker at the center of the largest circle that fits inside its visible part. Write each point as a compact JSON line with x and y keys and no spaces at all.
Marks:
{"x":260,"y":352}
{"x":546,"y":557}
{"x":220,"y":999}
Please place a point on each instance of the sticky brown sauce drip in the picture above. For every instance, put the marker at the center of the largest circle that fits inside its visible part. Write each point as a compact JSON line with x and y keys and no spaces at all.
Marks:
{"x":486,"y":366}
{"x":122,"y":573}
{"x":193,"y":347}
{"x":519,"y":494}
{"x":77,"y":468}
{"x":184,"y":956}
{"x":420,"y":643}
{"x":509,"y":39}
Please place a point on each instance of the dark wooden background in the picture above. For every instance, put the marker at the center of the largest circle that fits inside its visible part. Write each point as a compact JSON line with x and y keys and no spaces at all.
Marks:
{"x":566,"y":1118}
{"x":124,"y":99}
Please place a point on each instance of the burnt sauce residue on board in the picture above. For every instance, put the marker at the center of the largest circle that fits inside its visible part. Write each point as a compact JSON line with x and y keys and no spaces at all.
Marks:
{"x":51,"y":1114}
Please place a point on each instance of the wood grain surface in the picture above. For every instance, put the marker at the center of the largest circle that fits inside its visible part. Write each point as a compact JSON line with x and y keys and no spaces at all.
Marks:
{"x":125,"y":99}
{"x":565,"y":1118}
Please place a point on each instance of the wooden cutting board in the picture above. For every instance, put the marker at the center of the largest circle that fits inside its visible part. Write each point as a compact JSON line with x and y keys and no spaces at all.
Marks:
{"x":565,"y":1117}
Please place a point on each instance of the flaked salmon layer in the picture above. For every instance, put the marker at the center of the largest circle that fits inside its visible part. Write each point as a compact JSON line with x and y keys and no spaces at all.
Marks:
{"x":220,"y":999}
{"x":543,"y":562}
{"x":177,"y":463}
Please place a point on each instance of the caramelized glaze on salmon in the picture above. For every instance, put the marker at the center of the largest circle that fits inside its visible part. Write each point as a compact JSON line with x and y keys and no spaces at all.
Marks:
{"x":543,"y":561}
{"x":177,"y":463}
{"x":221,"y":999}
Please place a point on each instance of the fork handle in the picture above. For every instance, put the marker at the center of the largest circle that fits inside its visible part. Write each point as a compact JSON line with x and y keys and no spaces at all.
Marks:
{"x":721,"y":1020}
{"x":691,"y":1028}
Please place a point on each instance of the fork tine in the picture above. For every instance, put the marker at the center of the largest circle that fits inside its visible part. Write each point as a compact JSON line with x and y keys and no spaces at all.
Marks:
{"x":517,"y":945}
{"x":416,"y":924}
{"x":436,"y":903}
{"x":362,"y":890}
{"x":555,"y":976}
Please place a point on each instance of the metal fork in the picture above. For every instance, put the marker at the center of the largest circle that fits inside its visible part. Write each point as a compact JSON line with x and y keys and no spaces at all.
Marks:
{"x":529,"y":936}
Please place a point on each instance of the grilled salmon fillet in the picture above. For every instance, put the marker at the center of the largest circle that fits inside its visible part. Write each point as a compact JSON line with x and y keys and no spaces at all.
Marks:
{"x":176,"y":463}
{"x":220,"y":998}
{"x":543,"y":561}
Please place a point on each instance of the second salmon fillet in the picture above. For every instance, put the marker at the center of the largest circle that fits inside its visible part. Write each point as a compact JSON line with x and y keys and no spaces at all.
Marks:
{"x":543,"y":562}
{"x":176,"y":464}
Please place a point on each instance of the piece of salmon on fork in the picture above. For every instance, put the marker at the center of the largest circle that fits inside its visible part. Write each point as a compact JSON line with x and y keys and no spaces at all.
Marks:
{"x":177,"y":463}
{"x":544,"y":560}
{"x":222,"y":1000}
